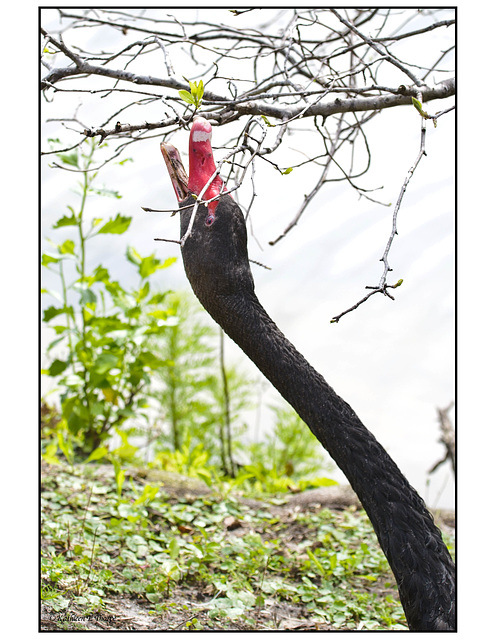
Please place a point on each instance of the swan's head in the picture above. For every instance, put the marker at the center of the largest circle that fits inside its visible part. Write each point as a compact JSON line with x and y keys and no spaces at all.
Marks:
{"x":215,"y":251}
{"x":201,"y":166}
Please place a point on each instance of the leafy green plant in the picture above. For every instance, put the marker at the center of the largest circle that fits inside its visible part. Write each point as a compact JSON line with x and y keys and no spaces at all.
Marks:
{"x":231,"y":396}
{"x":249,"y":559}
{"x":289,"y":458}
{"x":182,"y":382}
{"x":189,"y":459}
{"x":102,"y":328}
{"x":199,"y":398}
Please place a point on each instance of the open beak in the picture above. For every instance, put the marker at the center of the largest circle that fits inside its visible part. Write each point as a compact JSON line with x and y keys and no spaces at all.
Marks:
{"x":176,"y":170}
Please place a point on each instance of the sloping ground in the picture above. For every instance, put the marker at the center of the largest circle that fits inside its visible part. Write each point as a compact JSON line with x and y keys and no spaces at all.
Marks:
{"x":171,"y":554}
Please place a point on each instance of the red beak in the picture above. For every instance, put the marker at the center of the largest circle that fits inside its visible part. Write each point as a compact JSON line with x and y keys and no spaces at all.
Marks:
{"x":201,"y":165}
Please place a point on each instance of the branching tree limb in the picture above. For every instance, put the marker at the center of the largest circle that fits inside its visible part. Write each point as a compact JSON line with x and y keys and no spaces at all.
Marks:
{"x":316,"y":75}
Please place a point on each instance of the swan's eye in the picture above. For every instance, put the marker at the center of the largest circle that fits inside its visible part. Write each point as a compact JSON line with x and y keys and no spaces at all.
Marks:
{"x":210,"y":219}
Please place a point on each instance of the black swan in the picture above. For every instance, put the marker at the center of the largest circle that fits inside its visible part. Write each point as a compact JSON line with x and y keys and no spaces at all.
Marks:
{"x":214,"y":251}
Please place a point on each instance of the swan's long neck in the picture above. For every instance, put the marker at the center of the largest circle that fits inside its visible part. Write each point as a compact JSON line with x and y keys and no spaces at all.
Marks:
{"x":410,"y":540}
{"x":218,"y":270}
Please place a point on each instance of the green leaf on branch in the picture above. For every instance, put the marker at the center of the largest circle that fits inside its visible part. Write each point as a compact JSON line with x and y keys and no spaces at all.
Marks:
{"x":150,"y":264}
{"x":186,"y":96}
{"x":66,"y":221}
{"x":266,"y":121}
{"x":105,"y":362}
{"x":67,"y":247}
{"x":143,"y":292}
{"x":160,"y":314}
{"x":417,"y":104}
{"x":70,"y":159}
{"x":117,"y":225}
{"x":52,"y":312}
{"x":195,"y":95}
{"x":97,"y":454}
{"x":88,"y":297}
{"x":111,"y":395}
{"x":100,"y":274}
{"x":419,"y":107}
{"x":133,"y":256}
{"x":56,"y":368}
{"x":148,"y":359}
{"x":47,"y":259}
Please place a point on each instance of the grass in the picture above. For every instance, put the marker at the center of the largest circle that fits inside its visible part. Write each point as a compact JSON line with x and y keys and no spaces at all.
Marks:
{"x":145,"y":560}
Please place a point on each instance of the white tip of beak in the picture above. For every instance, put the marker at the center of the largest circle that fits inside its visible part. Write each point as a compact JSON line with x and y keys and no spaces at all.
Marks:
{"x":201,"y":136}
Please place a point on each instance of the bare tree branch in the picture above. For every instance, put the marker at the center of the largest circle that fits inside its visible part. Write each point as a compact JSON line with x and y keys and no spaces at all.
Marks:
{"x":317,"y":75}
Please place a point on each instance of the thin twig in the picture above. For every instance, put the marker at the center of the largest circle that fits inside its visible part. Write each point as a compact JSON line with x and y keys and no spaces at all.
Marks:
{"x":166,"y":240}
{"x":382,"y":286}
{"x":366,"y":297}
{"x":409,"y":175}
